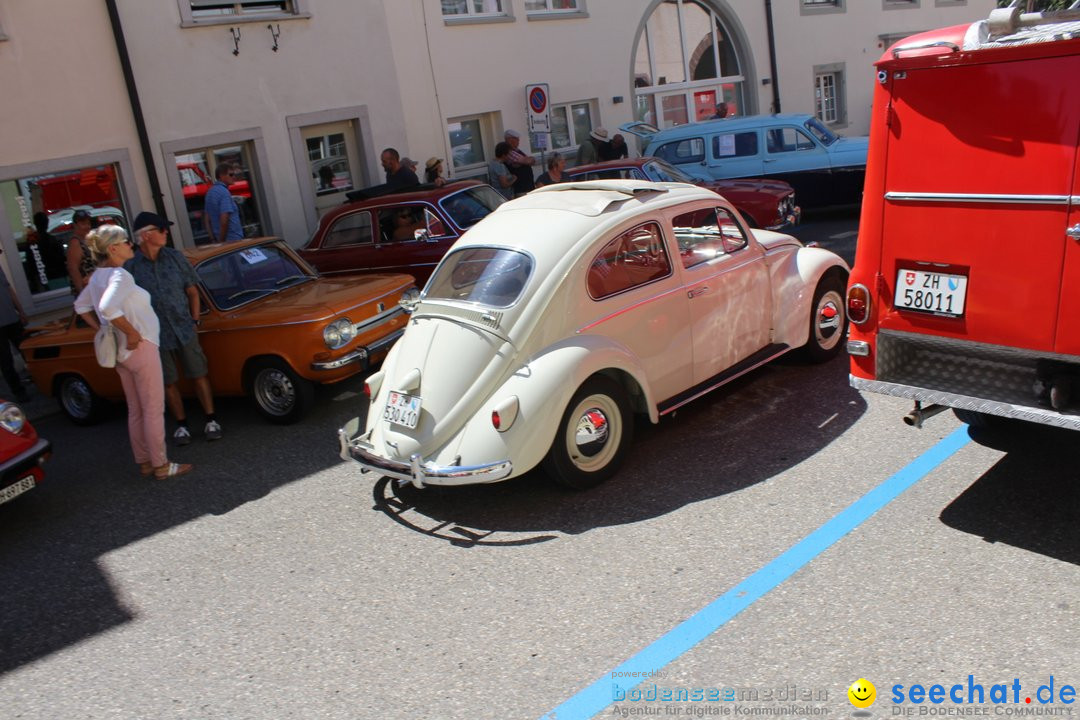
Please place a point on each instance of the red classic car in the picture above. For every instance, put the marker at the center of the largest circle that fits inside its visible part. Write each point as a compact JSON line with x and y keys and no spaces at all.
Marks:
{"x":768,"y":204}
{"x":405,"y":232}
{"x":22,"y":453}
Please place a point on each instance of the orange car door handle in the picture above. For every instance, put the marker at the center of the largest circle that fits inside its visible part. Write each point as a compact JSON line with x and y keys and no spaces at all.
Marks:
{"x":700,"y":290}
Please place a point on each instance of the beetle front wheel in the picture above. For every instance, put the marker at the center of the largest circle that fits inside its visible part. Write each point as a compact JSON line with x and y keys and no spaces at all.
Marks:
{"x":593,"y":435}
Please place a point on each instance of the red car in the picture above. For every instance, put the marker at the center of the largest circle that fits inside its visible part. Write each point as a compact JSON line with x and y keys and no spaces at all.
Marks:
{"x":22,"y":453}
{"x":768,"y":204}
{"x":405,"y":232}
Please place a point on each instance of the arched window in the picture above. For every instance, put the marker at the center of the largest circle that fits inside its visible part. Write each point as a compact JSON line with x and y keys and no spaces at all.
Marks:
{"x":687,"y":64}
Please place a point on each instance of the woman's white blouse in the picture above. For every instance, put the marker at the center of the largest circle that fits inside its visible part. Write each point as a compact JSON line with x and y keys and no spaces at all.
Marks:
{"x":111,"y":292}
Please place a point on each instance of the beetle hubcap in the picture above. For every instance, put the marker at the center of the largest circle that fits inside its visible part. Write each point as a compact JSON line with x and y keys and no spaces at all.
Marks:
{"x":592,"y":436}
{"x":275,"y":392}
{"x":829,"y":321}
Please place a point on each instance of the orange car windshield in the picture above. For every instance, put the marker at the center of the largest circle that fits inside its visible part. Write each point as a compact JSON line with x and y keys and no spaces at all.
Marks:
{"x":238,"y":277}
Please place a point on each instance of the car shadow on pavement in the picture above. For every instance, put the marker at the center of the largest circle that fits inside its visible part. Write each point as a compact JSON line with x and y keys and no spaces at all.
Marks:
{"x":1030,"y":498}
{"x":745,"y":433}
{"x":55,"y":582}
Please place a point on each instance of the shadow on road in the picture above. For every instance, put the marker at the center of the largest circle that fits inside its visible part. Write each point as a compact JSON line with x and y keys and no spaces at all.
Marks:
{"x":93,"y":501}
{"x":740,"y":435}
{"x":1030,"y":498}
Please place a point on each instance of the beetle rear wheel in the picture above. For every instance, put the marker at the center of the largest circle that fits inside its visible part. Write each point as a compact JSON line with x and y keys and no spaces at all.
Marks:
{"x":281,"y":396}
{"x":828,"y":319}
{"x":593,"y":436}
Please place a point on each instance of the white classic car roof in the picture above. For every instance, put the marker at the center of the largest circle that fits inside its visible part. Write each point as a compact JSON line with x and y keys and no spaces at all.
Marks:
{"x":551,"y":220}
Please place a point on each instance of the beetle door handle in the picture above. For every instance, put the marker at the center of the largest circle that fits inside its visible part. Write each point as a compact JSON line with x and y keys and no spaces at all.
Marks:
{"x":1074,"y":232}
{"x":700,"y":290}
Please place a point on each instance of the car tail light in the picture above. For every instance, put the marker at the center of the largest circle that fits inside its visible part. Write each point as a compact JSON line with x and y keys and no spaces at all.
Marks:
{"x":372,"y":384}
{"x":858,"y":304}
{"x":504,"y":414}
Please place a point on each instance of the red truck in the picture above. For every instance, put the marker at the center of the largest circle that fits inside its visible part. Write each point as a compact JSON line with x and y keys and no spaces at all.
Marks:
{"x":965,"y":292}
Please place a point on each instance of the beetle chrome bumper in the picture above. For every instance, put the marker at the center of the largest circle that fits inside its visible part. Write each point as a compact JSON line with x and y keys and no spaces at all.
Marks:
{"x":354,"y":447}
{"x":360,"y":355}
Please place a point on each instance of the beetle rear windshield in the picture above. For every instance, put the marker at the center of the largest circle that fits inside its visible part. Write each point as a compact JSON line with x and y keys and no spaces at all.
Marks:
{"x":488,"y":276}
{"x":468,"y":207}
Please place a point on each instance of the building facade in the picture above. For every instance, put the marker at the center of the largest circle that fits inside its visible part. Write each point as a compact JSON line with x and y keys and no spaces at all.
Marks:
{"x":126,"y":105}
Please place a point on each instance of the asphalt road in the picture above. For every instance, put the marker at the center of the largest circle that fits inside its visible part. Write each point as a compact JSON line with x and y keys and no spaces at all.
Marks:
{"x":275,"y":582}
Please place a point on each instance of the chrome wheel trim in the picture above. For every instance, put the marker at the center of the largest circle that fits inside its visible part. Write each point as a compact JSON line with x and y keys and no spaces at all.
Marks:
{"x":594,"y":433}
{"x":274,"y":391}
{"x":829,"y":320}
{"x":76,"y":397}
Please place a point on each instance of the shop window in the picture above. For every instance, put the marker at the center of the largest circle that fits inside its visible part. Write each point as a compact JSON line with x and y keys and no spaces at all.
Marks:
{"x":41,"y":210}
{"x":570,"y":124}
{"x":468,"y":138}
{"x":197,"y":172}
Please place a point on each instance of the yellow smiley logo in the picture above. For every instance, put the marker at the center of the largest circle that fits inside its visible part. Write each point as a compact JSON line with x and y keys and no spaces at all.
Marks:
{"x":862,"y":693}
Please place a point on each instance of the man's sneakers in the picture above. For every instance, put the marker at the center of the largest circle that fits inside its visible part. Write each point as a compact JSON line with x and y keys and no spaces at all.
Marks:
{"x":213,"y":430}
{"x":182,"y":436}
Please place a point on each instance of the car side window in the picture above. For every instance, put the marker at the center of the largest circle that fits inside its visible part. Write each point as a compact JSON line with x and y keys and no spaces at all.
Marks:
{"x":682,"y":151}
{"x":707,"y":234}
{"x":742,"y":144}
{"x":631,"y":259}
{"x":352,"y":229}
{"x":400,"y":222}
{"x":788,"y":140}
{"x":434,"y":224}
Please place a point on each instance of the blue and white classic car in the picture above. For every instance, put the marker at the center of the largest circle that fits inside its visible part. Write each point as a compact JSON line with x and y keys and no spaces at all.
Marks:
{"x":567,"y":310}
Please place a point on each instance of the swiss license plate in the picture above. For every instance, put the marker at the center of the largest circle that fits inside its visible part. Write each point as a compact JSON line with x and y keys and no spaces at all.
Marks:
{"x":930,"y":292}
{"x":402,"y":409}
{"x":18,"y":488}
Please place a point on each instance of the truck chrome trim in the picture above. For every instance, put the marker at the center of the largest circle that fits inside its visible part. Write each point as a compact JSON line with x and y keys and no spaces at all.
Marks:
{"x":1044,"y":416}
{"x":980,"y":198}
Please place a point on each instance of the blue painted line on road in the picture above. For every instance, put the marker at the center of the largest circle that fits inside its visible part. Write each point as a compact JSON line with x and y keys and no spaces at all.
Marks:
{"x":713,"y":616}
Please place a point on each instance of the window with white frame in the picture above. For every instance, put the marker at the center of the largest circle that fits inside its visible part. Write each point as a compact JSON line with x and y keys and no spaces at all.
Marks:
{"x":469,"y":136}
{"x":829,"y":94}
{"x":554,"y":7}
{"x":899,"y":4}
{"x":196,"y":12}
{"x":571,"y":124}
{"x":473,"y":8}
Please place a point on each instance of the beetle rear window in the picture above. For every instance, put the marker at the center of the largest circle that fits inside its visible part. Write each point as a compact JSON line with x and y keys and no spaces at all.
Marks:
{"x":487,"y":276}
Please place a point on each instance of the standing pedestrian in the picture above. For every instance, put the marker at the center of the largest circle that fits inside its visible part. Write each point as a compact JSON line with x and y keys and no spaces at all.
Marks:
{"x":80,"y":263}
{"x":433,"y":170}
{"x":12,"y":324}
{"x":501,"y":177}
{"x":594,"y":148}
{"x":221,"y":214}
{"x":111,"y":296}
{"x":398,"y":176}
{"x":167,"y":275}
{"x":520,"y":164}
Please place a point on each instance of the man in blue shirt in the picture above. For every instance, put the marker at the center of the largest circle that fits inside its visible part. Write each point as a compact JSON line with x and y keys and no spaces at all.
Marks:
{"x":221,"y":214}
{"x":167,"y":275}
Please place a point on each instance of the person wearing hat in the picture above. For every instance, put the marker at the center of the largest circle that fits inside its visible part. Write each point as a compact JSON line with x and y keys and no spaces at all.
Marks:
{"x":166,"y":274}
{"x":221,"y":214}
{"x":590,"y":150}
{"x":80,"y":263}
{"x":433,"y":172}
{"x":520,"y":164}
{"x":112,"y":297}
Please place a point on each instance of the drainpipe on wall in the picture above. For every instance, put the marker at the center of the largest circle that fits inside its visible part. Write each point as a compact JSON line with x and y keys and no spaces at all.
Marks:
{"x":772,"y":56}
{"x":136,"y":107}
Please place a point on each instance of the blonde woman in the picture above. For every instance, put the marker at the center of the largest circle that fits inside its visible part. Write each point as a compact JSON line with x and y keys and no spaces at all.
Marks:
{"x":112,"y":296}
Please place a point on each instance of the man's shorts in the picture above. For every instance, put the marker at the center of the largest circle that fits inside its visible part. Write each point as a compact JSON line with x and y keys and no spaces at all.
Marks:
{"x":191,"y":357}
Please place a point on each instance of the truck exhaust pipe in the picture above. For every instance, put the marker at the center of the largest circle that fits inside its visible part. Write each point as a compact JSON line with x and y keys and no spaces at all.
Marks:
{"x":920,"y":414}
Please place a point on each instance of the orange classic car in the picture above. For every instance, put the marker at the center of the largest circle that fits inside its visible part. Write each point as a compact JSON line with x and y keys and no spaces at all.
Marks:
{"x":272,"y":328}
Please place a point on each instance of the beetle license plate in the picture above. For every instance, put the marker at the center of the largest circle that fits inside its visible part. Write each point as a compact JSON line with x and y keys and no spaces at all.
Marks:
{"x":930,"y":292}
{"x":17,"y":488}
{"x":402,"y":409}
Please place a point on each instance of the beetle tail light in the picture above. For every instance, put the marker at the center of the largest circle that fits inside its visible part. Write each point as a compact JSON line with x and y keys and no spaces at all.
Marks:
{"x":504,"y":414}
{"x":372,"y":384}
{"x":858,"y":304}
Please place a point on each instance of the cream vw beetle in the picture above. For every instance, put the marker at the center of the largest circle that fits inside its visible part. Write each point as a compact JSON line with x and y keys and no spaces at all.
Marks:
{"x":567,"y":310}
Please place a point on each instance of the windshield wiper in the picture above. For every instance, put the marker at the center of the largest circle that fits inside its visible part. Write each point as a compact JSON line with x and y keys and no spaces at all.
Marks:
{"x":292,"y":277}
{"x":245,"y":291}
